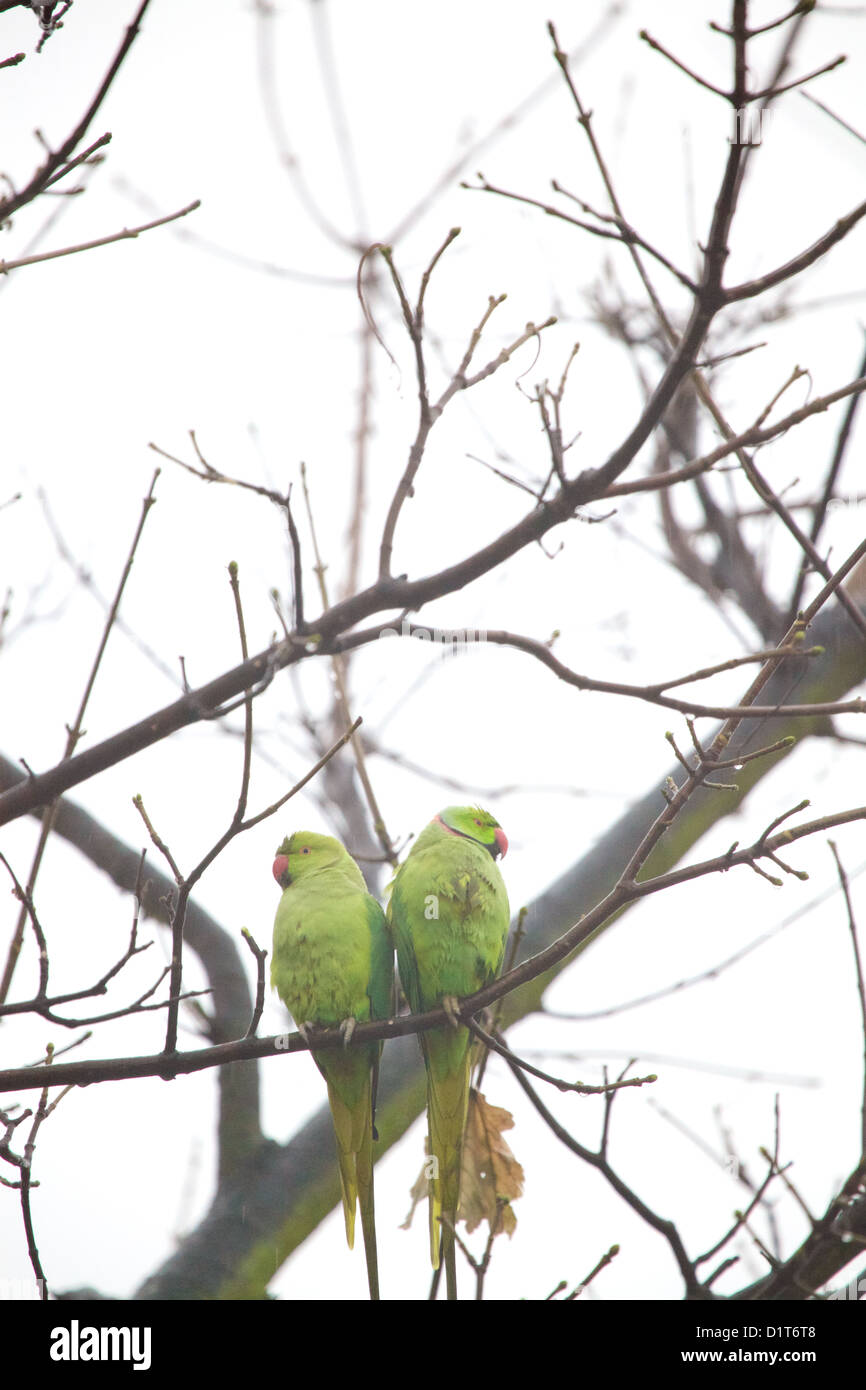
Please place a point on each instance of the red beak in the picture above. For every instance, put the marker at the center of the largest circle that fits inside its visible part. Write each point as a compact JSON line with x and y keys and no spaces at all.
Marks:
{"x":502,"y":841}
{"x":281,"y":864}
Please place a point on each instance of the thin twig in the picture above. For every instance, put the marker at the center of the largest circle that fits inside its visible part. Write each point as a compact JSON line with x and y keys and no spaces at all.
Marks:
{"x":861,"y":986}
{"x":260,"y":958}
{"x":497,"y":1044}
{"x":337,"y":663}
{"x":127,"y":234}
{"x":74,"y":733}
{"x":44,"y":175}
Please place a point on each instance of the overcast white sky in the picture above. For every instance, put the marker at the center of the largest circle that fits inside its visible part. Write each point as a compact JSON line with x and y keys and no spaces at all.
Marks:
{"x":256,"y":350}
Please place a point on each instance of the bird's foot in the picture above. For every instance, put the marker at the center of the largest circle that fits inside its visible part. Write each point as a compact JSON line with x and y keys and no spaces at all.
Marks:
{"x":304,"y":1029}
{"x":347,"y":1028}
{"x":451,"y":1005}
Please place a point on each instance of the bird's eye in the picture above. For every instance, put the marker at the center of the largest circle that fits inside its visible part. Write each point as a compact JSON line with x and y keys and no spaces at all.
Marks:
{"x":306,"y":849}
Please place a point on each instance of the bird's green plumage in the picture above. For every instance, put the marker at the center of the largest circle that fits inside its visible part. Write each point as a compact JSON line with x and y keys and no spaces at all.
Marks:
{"x":332,"y":962}
{"x":449,"y":911}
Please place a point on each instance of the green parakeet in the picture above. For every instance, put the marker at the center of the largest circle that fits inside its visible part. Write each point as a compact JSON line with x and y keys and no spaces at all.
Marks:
{"x":333,"y":965}
{"x":449,"y":911}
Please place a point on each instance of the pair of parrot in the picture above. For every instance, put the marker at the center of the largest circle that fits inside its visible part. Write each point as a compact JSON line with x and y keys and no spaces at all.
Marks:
{"x":333,"y":965}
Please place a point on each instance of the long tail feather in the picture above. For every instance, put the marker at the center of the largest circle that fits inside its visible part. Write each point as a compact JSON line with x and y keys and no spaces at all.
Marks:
{"x":350,"y":1095}
{"x":368,"y":1215}
{"x":448,"y":1056}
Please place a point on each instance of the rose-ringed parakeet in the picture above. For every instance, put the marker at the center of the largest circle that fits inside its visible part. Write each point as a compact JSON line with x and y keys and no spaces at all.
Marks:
{"x":449,"y":911}
{"x":333,"y":965}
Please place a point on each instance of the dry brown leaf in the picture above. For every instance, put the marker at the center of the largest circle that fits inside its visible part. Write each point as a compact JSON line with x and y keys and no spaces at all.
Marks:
{"x":491,"y":1177}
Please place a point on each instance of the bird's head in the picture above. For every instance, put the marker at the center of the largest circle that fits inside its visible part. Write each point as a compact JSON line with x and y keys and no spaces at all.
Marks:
{"x":305,"y":853}
{"x":475,"y":824}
